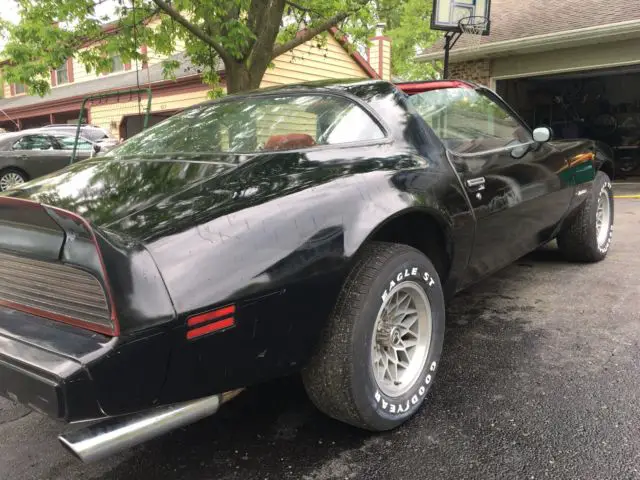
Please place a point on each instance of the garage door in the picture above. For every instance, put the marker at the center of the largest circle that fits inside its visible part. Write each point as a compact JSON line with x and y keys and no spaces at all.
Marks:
{"x":601,"y":104}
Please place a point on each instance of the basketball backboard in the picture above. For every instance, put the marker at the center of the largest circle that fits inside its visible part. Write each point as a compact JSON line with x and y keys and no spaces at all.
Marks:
{"x":447,"y":13}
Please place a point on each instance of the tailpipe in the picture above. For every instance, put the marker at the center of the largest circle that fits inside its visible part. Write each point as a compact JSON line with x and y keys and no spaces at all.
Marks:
{"x":115,"y":434}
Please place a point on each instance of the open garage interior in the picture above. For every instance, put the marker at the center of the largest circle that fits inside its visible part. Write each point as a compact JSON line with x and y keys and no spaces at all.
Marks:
{"x":131,"y":125}
{"x":600,"y":104}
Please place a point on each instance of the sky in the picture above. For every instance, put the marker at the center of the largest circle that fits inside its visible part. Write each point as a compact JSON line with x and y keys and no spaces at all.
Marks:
{"x":9,"y":12}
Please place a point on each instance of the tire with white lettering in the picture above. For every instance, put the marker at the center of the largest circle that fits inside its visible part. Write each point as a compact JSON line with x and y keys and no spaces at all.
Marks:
{"x":587,"y":235}
{"x":380,"y":351}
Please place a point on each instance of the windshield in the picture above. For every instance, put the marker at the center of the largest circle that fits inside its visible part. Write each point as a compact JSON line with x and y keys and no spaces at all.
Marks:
{"x":254,"y":124}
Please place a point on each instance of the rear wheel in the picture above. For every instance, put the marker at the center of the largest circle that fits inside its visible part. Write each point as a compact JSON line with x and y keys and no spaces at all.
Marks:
{"x":587,"y":236}
{"x":11,"y":177}
{"x":381,"y":348}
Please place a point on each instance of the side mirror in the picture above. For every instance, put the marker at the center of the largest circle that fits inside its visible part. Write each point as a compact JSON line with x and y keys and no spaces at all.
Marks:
{"x":542,"y":134}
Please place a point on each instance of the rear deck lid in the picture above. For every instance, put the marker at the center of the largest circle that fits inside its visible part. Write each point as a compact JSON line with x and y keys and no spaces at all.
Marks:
{"x":104,"y":191}
{"x":25,"y":227}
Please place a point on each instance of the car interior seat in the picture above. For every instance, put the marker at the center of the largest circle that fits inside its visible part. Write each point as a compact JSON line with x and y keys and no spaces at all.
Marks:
{"x":289,"y":141}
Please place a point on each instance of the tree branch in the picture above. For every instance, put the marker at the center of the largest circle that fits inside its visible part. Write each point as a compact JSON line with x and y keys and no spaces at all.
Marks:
{"x":300,"y":7}
{"x":266,"y":15}
{"x":194,"y":29}
{"x":308,"y":34}
{"x":297,"y":5}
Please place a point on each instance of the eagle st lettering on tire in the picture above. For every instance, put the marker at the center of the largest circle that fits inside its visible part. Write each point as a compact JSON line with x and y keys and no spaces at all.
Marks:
{"x":412,"y":271}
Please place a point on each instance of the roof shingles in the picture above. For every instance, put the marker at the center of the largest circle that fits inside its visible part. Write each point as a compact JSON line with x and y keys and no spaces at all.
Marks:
{"x":110,"y":82}
{"x":514,"y":19}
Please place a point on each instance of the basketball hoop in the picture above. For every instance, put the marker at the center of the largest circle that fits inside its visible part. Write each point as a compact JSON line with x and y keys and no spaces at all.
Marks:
{"x":457,"y":17}
{"x":475,"y":27}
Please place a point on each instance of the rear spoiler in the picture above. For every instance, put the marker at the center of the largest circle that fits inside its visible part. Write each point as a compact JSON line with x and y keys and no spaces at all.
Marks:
{"x":412,"y":88}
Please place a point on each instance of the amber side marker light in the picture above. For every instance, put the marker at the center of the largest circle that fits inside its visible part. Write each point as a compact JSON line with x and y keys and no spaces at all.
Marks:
{"x":210,"y":322}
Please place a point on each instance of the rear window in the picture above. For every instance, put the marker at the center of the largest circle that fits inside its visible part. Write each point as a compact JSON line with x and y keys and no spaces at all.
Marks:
{"x":256,"y":124}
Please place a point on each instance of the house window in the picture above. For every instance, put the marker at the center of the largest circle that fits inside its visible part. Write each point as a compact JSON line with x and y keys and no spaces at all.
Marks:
{"x":62,"y":74}
{"x":116,"y":64}
{"x":19,"y":88}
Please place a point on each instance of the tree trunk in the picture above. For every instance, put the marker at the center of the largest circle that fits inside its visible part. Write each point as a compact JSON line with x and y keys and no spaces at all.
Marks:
{"x":239,"y":78}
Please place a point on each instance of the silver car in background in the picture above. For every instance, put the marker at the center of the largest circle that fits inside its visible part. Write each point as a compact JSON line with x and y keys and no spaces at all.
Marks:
{"x":33,"y":153}
{"x":95,"y":134}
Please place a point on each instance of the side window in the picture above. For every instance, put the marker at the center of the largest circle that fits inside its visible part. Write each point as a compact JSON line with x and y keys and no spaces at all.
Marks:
{"x":66,"y":143}
{"x":326,"y":121}
{"x":256,"y":124}
{"x":467,"y":121}
{"x":34,"y":142}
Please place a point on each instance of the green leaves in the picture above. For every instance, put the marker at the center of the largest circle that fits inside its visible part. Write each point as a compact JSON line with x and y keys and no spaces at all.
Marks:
{"x":408,"y":23}
{"x":169,"y":68}
{"x":240,"y":36}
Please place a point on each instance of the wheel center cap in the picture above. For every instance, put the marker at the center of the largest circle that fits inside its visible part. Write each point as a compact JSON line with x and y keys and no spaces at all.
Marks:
{"x":395,"y":337}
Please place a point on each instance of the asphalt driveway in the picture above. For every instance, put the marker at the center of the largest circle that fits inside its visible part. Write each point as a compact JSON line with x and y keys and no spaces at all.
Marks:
{"x":540,"y":379}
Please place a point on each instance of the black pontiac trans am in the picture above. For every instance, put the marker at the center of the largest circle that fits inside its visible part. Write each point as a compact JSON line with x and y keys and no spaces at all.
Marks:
{"x":316,"y":228}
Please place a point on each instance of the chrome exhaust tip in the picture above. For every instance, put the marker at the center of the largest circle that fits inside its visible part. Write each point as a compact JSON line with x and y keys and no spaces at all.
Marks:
{"x":115,"y":434}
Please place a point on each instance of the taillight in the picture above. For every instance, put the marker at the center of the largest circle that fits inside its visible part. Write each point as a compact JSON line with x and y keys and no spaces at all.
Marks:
{"x":81,"y":222}
{"x":36,"y":281}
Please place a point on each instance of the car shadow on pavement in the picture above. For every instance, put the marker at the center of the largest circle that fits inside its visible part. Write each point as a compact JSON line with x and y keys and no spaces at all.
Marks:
{"x":273,"y":430}
{"x":548,"y":253}
{"x":262,"y":433}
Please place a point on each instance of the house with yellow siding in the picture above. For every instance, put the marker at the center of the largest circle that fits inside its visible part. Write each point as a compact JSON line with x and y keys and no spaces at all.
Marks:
{"x":122,"y":115}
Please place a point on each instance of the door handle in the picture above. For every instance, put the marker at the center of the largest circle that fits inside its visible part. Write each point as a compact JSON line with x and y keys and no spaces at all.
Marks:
{"x":476,"y":184}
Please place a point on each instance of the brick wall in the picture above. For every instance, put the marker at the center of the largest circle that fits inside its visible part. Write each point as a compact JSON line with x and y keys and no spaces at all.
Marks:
{"x":477,"y":71}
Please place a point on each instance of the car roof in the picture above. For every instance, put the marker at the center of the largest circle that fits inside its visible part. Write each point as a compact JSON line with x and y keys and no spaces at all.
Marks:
{"x":332,"y":85}
{"x":351,"y":84}
{"x":354,"y":86}
{"x":328,"y":84}
{"x":70,"y":125}
{"x":92,"y":133}
{"x":9,"y":136}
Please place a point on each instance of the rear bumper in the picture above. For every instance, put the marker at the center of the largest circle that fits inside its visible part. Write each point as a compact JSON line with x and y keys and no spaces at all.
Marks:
{"x":42,"y":365}
{"x":31,"y":388}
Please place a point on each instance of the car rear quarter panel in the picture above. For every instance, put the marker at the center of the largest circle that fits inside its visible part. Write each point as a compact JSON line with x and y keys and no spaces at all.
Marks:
{"x":281,"y":254}
{"x":34,"y":167}
{"x":9,"y":161}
